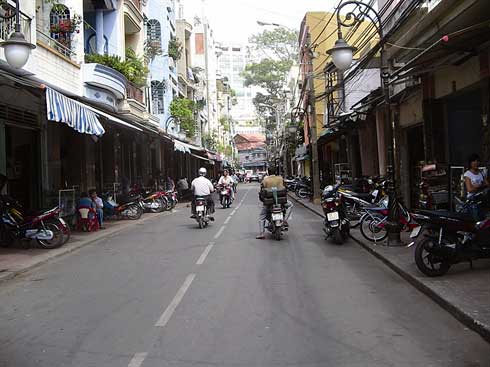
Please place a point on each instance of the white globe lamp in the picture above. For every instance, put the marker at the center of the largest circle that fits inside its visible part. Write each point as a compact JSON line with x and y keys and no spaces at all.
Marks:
{"x":341,"y":54}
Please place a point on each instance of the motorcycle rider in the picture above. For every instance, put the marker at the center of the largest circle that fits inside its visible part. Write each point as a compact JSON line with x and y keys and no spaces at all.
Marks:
{"x":270,"y":181}
{"x":227,"y":180}
{"x":202,"y":187}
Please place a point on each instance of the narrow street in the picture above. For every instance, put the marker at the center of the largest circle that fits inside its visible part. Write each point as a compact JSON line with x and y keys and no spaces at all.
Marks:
{"x":169,"y":294}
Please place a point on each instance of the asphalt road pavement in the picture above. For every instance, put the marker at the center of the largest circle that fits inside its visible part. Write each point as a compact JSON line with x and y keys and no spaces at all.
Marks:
{"x":165,"y":293}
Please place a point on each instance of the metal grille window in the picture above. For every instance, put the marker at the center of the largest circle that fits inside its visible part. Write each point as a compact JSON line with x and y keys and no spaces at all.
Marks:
{"x":157,"y":96}
{"x":154,"y":33}
{"x":59,"y":19}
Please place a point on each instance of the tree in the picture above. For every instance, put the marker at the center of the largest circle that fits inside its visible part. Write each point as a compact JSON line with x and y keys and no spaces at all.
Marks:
{"x":268,"y":74}
{"x":182,"y":109}
{"x":279,"y":44}
{"x":279,"y":50}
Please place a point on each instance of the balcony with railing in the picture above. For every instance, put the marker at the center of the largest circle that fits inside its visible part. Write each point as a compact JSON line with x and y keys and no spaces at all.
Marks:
{"x":134,"y":104}
{"x":7,"y":26}
{"x":61,"y":46}
{"x":133,"y":16}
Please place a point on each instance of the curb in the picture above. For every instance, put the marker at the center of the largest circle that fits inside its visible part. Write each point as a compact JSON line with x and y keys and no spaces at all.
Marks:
{"x":8,"y":275}
{"x":462,"y":316}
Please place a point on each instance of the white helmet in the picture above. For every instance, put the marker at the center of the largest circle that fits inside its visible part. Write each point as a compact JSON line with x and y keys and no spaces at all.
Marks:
{"x":202,"y":171}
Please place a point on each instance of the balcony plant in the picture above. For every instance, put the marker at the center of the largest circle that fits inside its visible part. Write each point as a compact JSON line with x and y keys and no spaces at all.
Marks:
{"x":174,"y":48}
{"x":133,"y":68}
{"x":183,"y":110}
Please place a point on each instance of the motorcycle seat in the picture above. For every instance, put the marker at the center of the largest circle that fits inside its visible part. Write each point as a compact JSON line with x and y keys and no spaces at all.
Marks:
{"x":445,"y":214}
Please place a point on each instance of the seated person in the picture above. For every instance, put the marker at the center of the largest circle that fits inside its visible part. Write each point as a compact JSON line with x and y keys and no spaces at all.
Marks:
{"x":99,"y":206}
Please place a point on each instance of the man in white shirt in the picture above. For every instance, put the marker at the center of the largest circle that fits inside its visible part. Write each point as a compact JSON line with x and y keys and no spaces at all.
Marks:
{"x":227,"y":180}
{"x":201,"y":186}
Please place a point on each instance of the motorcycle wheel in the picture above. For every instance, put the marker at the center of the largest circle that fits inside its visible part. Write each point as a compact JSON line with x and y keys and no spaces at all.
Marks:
{"x":66,"y":234}
{"x":428,"y":263}
{"x":200,"y":220}
{"x":134,"y":212}
{"x":277,"y":233}
{"x":371,"y":230}
{"x":302,"y":193}
{"x":57,"y":239}
{"x":338,"y":238}
{"x":168,"y":204}
{"x":65,"y":229}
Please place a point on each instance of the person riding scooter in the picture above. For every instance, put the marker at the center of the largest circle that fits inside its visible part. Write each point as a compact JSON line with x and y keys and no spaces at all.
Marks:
{"x":269,"y":182}
{"x":227,"y":180}
{"x":202,"y":187}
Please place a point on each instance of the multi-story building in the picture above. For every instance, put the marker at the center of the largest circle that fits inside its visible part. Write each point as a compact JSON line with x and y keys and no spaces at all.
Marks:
{"x":252,"y":153}
{"x":232,"y":60}
{"x":77,"y":115}
{"x":160,"y":31}
{"x":437,"y":57}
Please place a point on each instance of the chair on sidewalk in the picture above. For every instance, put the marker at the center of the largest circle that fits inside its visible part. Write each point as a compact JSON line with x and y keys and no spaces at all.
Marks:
{"x":87,"y":219}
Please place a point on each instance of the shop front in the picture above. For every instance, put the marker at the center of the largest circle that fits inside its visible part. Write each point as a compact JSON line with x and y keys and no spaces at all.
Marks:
{"x":20,"y":143}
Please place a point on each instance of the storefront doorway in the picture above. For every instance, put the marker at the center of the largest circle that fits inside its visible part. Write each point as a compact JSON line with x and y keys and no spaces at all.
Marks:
{"x":22,"y":165}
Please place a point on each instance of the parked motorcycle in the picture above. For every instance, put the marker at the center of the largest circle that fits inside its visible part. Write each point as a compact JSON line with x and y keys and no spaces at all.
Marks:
{"x":450,"y":238}
{"x":17,"y":211}
{"x":225,"y":196}
{"x":303,"y":188}
{"x":375,"y":217}
{"x":355,"y":200}
{"x":336,"y":224}
{"x":40,"y":227}
{"x":47,"y":228}
{"x":290,"y":183}
{"x":127,"y":207}
{"x":202,"y":212}
{"x":153,"y":202}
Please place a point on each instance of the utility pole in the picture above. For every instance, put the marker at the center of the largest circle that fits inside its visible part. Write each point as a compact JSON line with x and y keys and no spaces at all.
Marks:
{"x":315,"y":167}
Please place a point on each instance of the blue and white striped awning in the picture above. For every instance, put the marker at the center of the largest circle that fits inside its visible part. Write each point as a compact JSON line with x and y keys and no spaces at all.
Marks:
{"x":63,"y":109}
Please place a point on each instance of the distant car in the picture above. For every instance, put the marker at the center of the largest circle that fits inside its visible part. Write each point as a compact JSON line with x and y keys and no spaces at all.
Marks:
{"x":261,"y":175}
{"x":254,"y":177}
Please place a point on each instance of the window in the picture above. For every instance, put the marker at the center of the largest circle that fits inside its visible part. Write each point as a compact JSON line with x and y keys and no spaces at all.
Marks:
{"x":59,"y":19}
{"x":154,"y":33}
{"x":157,"y":94}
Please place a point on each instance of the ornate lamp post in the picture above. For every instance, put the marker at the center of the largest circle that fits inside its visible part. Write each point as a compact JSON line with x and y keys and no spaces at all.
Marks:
{"x":341,"y":55}
{"x":16,"y":48}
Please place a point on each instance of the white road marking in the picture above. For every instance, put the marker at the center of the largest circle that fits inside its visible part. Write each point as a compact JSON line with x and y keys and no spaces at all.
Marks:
{"x":233,"y":213}
{"x":167,"y":314}
{"x":290,"y":217}
{"x":219,"y":232}
{"x":137,"y":360}
{"x":227,"y":220}
{"x":205,"y":253}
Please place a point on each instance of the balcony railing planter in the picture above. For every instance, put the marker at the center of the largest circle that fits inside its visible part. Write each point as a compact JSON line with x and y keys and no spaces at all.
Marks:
{"x":133,"y":68}
{"x":61,"y":45}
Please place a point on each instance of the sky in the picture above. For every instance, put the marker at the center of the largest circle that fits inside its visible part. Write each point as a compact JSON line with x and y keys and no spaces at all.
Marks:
{"x":234,"y":21}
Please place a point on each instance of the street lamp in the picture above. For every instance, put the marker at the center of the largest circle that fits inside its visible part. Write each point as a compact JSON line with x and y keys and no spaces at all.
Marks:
{"x":341,"y":55}
{"x":16,"y":48}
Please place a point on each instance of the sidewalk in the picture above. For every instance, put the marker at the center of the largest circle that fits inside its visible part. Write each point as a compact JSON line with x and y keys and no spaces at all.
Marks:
{"x":17,"y":260}
{"x":463,"y":292}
